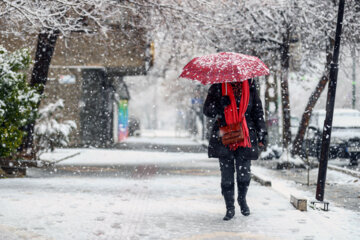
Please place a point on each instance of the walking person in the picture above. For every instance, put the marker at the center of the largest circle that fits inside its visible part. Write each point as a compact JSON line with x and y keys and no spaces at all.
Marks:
{"x":235,"y":104}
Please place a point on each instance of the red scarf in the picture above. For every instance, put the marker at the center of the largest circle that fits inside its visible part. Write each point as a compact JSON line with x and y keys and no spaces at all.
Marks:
{"x":233,"y":116}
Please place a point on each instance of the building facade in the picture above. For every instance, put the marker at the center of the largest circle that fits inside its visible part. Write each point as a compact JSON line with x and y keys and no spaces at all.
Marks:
{"x":87,"y":72}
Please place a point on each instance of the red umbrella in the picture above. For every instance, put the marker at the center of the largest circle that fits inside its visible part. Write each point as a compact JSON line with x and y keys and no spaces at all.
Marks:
{"x":224,"y":67}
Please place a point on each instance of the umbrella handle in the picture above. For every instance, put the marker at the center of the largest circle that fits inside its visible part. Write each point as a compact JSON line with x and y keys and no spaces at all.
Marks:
{"x":226,"y":89}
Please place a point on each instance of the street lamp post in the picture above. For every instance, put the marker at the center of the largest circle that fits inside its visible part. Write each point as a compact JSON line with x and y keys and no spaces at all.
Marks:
{"x":354,"y":79}
{"x":329,"y":108}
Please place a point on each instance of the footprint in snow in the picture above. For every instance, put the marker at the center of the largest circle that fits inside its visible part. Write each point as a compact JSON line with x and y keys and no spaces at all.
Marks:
{"x":100,"y":219}
{"x":99,"y":233}
{"x":116,"y":225}
{"x":301,"y":221}
{"x":308,"y":238}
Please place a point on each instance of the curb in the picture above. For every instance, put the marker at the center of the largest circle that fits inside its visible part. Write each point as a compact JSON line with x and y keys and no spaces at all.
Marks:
{"x":344,"y":170}
{"x":260,"y":180}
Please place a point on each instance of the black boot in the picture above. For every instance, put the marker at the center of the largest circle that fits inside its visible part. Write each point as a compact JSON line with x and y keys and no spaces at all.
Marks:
{"x":228,"y":193}
{"x":242,"y":191}
{"x":230,"y":213}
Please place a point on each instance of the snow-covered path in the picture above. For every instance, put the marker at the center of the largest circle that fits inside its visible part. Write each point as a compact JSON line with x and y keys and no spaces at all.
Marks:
{"x":179,"y":203}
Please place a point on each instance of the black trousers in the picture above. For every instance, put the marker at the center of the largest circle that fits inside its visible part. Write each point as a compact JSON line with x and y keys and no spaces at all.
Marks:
{"x":228,"y":166}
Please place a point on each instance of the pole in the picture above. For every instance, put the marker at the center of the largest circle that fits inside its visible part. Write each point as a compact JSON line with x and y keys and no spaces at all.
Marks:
{"x":284,"y":83}
{"x":330,"y":102}
{"x":354,"y":79}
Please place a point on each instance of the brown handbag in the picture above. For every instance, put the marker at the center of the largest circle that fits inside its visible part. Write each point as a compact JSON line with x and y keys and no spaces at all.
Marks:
{"x":231,"y":134}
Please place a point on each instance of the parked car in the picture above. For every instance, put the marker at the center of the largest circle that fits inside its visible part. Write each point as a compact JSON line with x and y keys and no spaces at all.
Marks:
{"x":345,"y":135}
{"x":134,"y":126}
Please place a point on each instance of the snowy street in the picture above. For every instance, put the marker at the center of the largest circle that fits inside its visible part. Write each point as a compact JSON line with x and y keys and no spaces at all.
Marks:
{"x":123,"y":194}
{"x":110,"y":110}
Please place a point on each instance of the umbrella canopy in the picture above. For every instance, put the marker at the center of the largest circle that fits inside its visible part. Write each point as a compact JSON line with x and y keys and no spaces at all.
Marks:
{"x":224,"y":67}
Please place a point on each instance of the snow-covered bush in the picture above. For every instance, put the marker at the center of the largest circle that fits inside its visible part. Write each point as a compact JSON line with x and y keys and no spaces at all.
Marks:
{"x":18,"y":101}
{"x":271,"y":152}
{"x":49,"y":132}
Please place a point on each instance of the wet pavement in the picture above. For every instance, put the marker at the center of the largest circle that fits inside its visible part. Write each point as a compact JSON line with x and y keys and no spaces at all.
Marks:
{"x":123,"y":171}
{"x":162,"y":144}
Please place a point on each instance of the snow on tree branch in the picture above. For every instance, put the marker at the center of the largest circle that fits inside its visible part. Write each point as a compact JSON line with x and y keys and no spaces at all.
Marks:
{"x":64,"y":16}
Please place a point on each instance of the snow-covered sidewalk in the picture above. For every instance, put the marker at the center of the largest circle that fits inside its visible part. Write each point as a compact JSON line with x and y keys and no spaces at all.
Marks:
{"x":179,"y":204}
{"x":106,"y":157}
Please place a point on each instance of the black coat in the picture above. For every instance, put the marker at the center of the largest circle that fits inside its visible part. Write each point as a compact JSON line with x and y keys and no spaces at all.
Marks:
{"x":254,"y":117}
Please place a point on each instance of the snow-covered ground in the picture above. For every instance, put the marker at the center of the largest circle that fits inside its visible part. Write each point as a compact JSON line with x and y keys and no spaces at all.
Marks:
{"x":164,"y":140}
{"x":178,"y":203}
{"x":185,"y":207}
{"x":162,"y":137}
{"x":104,"y":157}
{"x":287,"y":187}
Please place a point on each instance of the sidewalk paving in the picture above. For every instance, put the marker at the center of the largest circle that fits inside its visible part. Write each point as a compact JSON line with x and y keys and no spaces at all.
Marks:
{"x":342,"y":190}
{"x":153,"y":195}
{"x":172,"y":207}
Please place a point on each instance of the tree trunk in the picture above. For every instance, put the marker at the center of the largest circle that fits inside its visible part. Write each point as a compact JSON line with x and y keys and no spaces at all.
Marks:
{"x":285,"y":91}
{"x":304,"y":123}
{"x":44,"y":52}
{"x":272,"y":109}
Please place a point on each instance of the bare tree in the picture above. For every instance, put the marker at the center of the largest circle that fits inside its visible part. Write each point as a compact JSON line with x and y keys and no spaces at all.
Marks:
{"x":266,"y":29}
{"x":323,"y":21}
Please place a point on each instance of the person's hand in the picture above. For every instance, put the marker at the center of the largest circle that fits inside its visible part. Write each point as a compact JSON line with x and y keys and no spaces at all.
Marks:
{"x":225,"y":101}
{"x":261,"y":146}
{"x":262,"y":140}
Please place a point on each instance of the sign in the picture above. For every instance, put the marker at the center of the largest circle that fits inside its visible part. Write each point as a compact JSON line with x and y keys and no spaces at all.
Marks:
{"x":67,"y":79}
{"x":197,"y":101}
{"x":123,"y":120}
